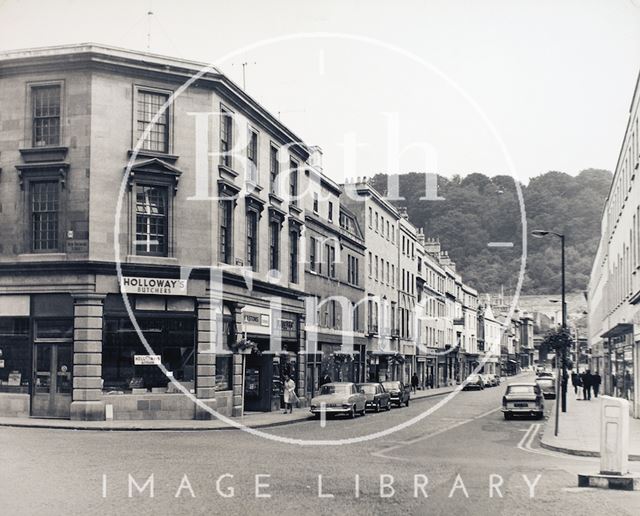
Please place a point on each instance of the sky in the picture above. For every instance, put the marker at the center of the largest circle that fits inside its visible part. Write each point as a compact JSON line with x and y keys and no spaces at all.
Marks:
{"x":515,"y":87}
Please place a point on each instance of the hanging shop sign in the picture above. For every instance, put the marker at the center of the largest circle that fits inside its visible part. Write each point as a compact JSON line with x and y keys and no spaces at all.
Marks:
{"x":147,"y":360}
{"x":157,"y":286}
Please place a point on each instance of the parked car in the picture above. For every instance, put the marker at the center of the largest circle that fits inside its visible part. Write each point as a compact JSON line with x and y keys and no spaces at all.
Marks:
{"x":488,"y":380}
{"x":339,"y":398}
{"x":399,"y":392}
{"x":377,"y":397}
{"x":544,"y":373}
{"x":547,"y":386}
{"x":473,"y":381}
{"x":523,"y":399}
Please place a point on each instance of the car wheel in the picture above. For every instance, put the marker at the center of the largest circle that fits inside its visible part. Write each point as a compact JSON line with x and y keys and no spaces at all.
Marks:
{"x":378,"y":407}
{"x":352,"y":412}
{"x":507,"y":416}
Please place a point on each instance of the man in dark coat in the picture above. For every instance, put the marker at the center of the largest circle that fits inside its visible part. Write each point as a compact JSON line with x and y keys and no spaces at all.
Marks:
{"x":587,"y":382}
{"x":415,"y":381}
{"x":597,"y":380}
{"x":325,"y":379}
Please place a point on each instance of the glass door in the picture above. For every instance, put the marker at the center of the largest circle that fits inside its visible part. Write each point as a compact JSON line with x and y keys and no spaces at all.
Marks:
{"x":52,"y":380}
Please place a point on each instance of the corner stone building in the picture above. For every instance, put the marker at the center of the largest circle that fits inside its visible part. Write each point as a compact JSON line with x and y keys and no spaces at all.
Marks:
{"x":71,"y":119}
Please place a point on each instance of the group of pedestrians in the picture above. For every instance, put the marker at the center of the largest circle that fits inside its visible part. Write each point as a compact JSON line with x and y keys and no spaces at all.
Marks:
{"x":587,"y":382}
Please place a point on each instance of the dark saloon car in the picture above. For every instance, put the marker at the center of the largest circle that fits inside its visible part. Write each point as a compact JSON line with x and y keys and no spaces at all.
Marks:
{"x":377,"y":397}
{"x":398,"y":391}
{"x":523,"y":399}
{"x":474,"y":381}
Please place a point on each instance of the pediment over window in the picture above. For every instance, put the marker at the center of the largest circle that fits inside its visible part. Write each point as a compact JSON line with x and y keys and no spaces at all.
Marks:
{"x":43,"y":171}
{"x":277,"y":215}
{"x":253,"y":202}
{"x":154,"y":169}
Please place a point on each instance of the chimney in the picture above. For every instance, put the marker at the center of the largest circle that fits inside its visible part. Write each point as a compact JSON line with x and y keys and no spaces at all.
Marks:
{"x":432,"y":246}
{"x":315,"y":157}
{"x":403,"y":212}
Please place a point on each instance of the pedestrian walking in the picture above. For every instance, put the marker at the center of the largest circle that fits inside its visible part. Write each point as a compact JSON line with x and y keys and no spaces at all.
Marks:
{"x":415,"y":381}
{"x":587,"y":382}
{"x":289,"y":394}
{"x":597,"y":380}
{"x":576,"y":382}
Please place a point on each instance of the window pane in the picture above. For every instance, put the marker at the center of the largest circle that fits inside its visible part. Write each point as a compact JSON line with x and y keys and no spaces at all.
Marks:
{"x":44,"y":215}
{"x":151,"y":220}
{"x":149,"y":104}
{"x":45,"y":102}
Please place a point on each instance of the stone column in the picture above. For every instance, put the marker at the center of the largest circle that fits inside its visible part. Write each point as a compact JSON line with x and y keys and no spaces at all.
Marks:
{"x":87,"y":401}
{"x":238,"y":369}
{"x":206,"y":359}
{"x":302,"y":362}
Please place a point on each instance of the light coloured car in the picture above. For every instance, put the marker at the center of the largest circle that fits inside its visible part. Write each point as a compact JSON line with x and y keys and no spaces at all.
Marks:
{"x":488,"y":380}
{"x":523,"y":399}
{"x":339,"y":398}
{"x":547,"y":386}
{"x":474,"y":381}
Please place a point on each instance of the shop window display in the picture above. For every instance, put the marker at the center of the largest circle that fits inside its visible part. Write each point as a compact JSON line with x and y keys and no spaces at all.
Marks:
{"x":15,"y":354}
{"x":124,"y":366}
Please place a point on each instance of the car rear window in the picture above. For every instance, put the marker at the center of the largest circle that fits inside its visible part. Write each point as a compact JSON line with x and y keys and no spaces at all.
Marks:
{"x":391,"y":385}
{"x":369,"y":389}
{"x":520,"y":389}
{"x":546,"y":381}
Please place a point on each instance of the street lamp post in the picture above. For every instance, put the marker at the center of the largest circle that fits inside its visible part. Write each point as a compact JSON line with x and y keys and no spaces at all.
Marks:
{"x":539,"y":233}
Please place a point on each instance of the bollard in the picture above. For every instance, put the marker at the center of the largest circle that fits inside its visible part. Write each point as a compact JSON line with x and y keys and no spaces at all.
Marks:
{"x":614,"y":436}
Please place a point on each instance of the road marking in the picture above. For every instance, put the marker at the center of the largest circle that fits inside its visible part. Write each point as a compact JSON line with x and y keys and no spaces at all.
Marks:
{"x":526,"y":443}
{"x":500,"y":244}
{"x":383,"y":453}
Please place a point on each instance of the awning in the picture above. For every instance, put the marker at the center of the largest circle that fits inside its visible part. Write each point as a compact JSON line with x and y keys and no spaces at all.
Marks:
{"x":617,"y":330}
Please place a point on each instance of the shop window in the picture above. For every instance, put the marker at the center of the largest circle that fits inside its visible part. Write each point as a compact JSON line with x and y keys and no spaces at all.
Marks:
{"x":172,"y":339}
{"x":53,"y":329}
{"x":15,"y":354}
{"x":224,"y":372}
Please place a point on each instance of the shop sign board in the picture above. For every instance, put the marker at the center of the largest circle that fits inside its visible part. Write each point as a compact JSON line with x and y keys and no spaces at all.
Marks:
{"x":154,"y":286}
{"x":146,"y":360}
{"x":256,"y":319}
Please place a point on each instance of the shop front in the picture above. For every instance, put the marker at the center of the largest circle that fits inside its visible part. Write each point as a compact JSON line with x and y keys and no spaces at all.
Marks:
{"x":36,"y":355}
{"x":332,"y":363}
{"x":274,"y":343}
{"x":622,"y":370}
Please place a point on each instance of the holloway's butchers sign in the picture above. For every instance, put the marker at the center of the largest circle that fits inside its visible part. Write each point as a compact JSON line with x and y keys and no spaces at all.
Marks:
{"x":160,"y":286}
{"x":147,"y":360}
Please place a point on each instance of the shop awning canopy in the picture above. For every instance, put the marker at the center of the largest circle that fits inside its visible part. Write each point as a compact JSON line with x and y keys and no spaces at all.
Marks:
{"x":617,"y":330}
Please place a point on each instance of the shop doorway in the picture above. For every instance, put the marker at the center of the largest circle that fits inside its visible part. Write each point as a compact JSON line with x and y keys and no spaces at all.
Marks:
{"x":52,"y":380}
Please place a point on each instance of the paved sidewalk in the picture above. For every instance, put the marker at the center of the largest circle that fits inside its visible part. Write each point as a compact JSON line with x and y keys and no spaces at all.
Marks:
{"x":579,"y":430}
{"x":251,"y":420}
